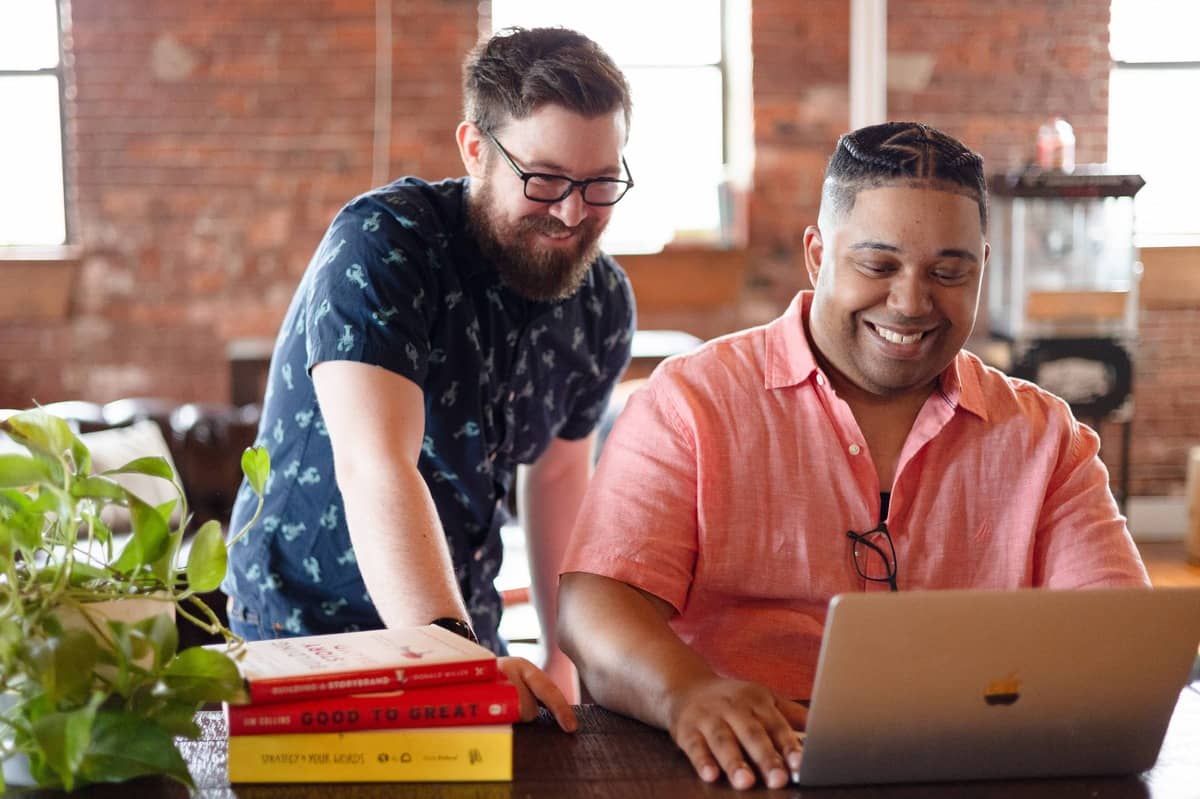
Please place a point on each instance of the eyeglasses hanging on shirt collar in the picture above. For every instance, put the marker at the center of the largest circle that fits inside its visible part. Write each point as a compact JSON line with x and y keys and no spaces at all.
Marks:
{"x":542,"y":187}
{"x":868,"y":555}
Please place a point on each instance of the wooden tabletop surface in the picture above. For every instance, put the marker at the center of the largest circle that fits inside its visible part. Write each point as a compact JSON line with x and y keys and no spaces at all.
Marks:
{"x":612,"y":756}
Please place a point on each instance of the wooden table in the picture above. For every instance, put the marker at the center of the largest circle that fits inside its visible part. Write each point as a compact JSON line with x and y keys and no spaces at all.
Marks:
{"x":612,"y":756}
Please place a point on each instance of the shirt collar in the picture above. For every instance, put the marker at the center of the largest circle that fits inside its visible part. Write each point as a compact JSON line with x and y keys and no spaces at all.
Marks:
{"x":959,"y":384}
{"x":790,"y":360}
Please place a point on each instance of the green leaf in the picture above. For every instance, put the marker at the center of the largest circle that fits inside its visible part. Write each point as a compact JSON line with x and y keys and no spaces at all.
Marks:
{"x":124,"y":747}
{"x":149,"y":539}
{"x":256,"y":465}
{"x":14,"y":500}
{"x":178,"y":718}
{"x":64,"y":739}
{"x":83,"y":458}
{"x":11,"y":638}
{"x":130,"y":645}
{"x":40,"y":432}
{"x":81,"y":573}
{"x":18,"y":471}
{"x":207,"y":559}
{"x":99,"y":488}
{"x":204,"y":675}
{"x":52,"y":499}
{"x":165,"y":509}
{"x":163,"y":636}
{"x":100,"y":530}
{"x":63,"y":663}
{"x":153,"y":465}
{"x":25,"y":530}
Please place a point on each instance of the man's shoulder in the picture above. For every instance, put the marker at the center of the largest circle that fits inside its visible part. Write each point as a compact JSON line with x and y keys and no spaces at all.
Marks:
{"x":1005,"y":396}
{"x":730,"y":363}
{"x":408,"y":205}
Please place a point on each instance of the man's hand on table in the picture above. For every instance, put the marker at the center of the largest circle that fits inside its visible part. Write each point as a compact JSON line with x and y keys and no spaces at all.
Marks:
{"x":719,"y":723}
{"x":535,"y":687}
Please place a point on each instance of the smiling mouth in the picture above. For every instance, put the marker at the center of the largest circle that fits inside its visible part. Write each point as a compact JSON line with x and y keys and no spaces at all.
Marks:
{"x":895,"y":336}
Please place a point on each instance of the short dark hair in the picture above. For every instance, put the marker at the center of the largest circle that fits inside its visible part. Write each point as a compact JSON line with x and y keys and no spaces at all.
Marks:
{"x":518,"y":70}
{"x":906,"y":153}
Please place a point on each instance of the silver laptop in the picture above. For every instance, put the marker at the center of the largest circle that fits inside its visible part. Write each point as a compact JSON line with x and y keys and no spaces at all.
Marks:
{"x":955,"y":685}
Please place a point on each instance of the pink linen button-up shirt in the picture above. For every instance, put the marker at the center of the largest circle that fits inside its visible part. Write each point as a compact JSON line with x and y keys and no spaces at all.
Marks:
{"x":731,"y":479}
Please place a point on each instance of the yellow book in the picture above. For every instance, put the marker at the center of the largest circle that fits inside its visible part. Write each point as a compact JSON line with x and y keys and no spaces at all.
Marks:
{"x":445,"y":754}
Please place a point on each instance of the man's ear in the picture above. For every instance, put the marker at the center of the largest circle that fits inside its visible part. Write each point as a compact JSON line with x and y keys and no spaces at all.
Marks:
{"x":470,"y":148}
{"x":814,"y":253}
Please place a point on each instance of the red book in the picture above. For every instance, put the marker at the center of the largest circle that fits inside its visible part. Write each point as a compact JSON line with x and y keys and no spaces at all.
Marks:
{"x":442,"y":706}
{"x":291,"y":669}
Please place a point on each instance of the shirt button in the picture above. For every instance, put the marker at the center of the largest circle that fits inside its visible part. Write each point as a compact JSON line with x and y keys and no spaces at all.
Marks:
{"x":855,"y":449}
{"x":512,"y":395}
{"x":820,"y":379}
{"x":479,"y":554}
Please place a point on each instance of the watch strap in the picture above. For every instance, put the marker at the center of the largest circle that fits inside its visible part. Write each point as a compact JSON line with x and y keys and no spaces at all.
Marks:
{"x":456,"y":626}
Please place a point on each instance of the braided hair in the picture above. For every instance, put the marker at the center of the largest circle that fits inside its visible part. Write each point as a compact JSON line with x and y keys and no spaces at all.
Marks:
{"x":904,"y":153}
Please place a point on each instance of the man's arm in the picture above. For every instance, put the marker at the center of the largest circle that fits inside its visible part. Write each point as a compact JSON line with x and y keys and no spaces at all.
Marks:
{"x":376,"y":422}
{"x":550,"y":492}
{"x":1082,"y":538}
{"x":632,"y":662}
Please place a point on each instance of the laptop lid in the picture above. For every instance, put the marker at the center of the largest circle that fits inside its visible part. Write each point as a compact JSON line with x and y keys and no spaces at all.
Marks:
{"x":953,"y":685}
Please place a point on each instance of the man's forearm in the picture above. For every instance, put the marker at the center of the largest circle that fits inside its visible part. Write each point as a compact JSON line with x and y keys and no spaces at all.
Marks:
{"x":400,"y":547}
{"x":628,"y":657}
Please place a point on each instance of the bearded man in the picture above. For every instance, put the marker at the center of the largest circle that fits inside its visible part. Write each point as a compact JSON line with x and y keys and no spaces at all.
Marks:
{"x":443,"y":334}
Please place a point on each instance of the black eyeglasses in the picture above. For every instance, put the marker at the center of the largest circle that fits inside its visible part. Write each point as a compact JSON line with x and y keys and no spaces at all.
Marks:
{"x":868,"y":555}
{"x":544,"y":188}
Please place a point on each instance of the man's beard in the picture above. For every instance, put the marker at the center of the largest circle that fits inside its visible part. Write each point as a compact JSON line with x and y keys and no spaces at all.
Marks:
{"x":535,"y":272}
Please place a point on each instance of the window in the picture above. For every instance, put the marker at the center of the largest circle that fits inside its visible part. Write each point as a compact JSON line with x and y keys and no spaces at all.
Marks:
{"x":678,"y":77}
{"x":1152,"y":111}
{"x":32,"y":208}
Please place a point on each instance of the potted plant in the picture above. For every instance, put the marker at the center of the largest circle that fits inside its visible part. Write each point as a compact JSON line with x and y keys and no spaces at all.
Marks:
{"x":96,"y":688}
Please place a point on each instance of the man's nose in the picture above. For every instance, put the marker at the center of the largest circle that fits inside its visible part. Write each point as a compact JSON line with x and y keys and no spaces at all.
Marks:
{"x":571,"y":210}
{"x":910,"y":295}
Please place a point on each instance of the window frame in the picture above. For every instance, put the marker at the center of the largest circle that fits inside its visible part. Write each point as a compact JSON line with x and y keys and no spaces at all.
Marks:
{"x":724,"y":233}
{"x":59,"y":72}
{"x":1161,"y":68}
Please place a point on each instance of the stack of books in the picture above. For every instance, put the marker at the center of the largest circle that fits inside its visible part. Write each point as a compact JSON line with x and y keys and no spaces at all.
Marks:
{"x":398,"y":705}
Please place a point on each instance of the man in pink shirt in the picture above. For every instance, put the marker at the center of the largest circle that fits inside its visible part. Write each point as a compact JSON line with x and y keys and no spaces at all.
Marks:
{"x":850,"y":445}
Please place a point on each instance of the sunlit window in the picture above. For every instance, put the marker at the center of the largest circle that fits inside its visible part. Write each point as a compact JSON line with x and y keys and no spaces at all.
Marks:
{"x":32,"y":211}
{"x":676,"y":145}
{"x":1153,"y":113}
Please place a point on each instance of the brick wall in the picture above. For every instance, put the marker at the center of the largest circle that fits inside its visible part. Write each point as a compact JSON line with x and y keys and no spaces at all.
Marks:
{"x":801,"y":106}
{"x":988,"y":73}
{"x":213,"y":142}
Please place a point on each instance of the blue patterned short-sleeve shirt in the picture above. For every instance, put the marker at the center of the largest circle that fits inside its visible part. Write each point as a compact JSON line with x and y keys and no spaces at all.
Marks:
{"x":398,"y":282}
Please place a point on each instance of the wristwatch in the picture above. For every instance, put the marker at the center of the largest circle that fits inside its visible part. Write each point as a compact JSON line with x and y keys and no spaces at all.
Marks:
{"x":456,"y":626}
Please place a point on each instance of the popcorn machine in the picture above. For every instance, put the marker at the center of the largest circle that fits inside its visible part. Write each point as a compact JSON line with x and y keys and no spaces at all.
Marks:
{"x":1062,"y":291}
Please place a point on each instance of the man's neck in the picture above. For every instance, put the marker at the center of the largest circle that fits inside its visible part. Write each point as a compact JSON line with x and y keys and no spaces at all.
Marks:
{"x":885,"y":420}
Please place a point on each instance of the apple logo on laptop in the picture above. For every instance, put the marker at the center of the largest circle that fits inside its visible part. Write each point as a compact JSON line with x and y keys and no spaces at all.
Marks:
{"x":1003,"y":692}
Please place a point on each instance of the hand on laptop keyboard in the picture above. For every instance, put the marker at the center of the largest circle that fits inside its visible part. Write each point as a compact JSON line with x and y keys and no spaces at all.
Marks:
{"x":737,"y":728}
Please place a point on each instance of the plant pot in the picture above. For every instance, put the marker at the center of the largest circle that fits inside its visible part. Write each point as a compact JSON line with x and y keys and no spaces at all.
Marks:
{"x":129,"y":611}
{"x":16,"y":772}
{"x":16,"y":767}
